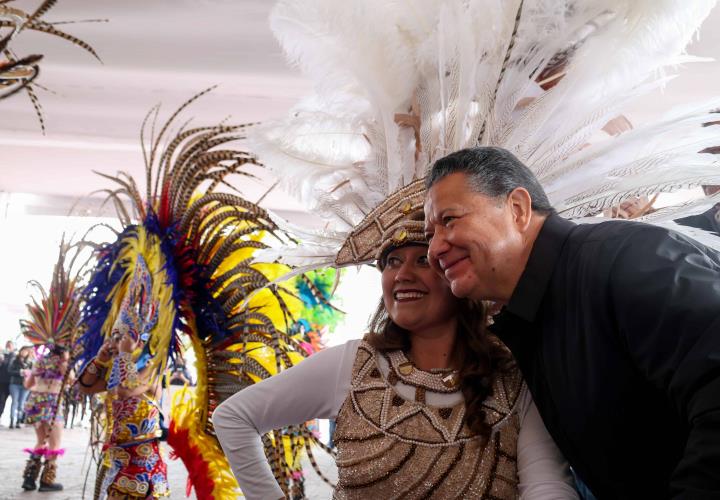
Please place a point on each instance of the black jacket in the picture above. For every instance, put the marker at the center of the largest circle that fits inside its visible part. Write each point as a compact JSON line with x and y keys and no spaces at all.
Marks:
{"x":616,"y":327}
{"x":5,"y":363}
{"x":16,"y":368}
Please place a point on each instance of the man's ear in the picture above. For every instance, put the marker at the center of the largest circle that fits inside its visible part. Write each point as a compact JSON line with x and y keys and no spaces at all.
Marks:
{"x":520,"y":204}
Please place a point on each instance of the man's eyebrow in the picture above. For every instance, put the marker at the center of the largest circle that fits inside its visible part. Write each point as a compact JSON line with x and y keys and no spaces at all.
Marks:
{"x":451,"y":207}
{"x":441,"y":213}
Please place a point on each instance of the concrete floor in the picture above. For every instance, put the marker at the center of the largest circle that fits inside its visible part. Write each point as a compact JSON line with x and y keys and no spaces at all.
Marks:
{"x":76,"y":470}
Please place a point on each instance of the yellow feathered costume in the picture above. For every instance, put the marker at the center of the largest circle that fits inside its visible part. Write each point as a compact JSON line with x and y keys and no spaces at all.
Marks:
{"x":198,"y":244}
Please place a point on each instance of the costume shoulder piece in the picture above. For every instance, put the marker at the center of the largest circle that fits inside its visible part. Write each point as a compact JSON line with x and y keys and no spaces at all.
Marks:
{"x":370,"y":389}
{"x":376,"y":401}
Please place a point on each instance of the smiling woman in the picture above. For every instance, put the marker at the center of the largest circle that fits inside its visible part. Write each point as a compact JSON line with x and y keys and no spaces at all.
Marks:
{"x":420,"y":316}
{"x":414,"y":295}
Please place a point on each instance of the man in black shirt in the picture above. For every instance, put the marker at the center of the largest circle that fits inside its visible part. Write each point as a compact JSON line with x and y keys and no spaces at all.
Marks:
{"x":616,"y":325}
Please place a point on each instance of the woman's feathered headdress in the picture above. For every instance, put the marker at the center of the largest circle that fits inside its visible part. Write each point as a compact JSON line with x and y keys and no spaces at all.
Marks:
{"x":399,"y":87}
{"x":55,"y":317}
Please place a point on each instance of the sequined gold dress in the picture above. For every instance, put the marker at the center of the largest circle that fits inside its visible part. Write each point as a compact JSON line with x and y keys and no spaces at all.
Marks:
{"x":390,"y":447}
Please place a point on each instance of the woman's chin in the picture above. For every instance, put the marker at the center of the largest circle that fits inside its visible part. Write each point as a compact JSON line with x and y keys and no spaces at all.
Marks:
{"x":404,"y":322}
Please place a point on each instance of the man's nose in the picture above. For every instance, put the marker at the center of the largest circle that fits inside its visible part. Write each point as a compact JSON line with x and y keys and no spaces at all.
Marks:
{"x":438,"y":245}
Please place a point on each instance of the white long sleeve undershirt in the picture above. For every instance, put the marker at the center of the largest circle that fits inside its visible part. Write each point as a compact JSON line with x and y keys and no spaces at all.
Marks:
{"x":317,"y":388}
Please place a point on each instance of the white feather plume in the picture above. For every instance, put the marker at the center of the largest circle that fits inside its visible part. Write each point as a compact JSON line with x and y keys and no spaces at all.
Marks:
{"x":680,"y":210}
{"x":400,"y":85}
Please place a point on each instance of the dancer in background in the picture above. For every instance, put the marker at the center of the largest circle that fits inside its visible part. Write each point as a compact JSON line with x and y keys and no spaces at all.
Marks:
{"x":51,"y":327}
{"x":197,"y":240}
{"x":42,"y":411}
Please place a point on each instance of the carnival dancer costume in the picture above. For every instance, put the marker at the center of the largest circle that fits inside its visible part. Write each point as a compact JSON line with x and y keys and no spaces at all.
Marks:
{"x":52,"y":328}
{"x":197,"y":242}
{"x":132,"y":464}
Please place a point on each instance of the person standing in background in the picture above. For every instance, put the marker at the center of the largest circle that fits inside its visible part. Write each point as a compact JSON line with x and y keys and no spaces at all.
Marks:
{"x":5,"y":360}
{"x":19,"y":369}
{"x":45,"y":383}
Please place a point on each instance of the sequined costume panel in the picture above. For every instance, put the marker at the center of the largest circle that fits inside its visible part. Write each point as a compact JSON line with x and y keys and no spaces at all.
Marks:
{"x":136,"y":470}
{"x":40,"y":406}
{"x":135,"y":419}
{"x":390,"y":447}
{"x":132,"y":456}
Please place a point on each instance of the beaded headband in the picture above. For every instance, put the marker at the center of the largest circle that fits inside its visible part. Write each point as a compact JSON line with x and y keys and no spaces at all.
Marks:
{"x":405,"y":232}
{"x":395,"y":222}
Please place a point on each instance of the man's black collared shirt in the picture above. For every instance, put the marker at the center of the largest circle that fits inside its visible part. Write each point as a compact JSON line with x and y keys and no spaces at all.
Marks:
{"x":616,"y":327}
{"x":708,"y":220}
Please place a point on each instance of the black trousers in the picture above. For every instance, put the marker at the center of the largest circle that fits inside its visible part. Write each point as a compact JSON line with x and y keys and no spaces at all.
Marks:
{"x":4,"y":394}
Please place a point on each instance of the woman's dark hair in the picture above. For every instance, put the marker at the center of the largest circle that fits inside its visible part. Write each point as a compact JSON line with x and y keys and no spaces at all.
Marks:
{"x":481,"y":356}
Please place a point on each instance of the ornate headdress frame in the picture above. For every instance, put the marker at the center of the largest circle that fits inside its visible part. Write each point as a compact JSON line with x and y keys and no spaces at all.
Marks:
{"x":387,"y":223}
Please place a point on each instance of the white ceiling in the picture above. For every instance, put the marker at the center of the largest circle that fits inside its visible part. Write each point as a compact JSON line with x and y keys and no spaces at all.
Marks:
{"x":162,"y":51}
{"x":165,"y":51}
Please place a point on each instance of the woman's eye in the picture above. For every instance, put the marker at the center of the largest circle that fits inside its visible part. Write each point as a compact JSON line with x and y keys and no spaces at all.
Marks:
{"x":423,"y":260}
{"x":448,"y":219}
{"x":393,"y":261}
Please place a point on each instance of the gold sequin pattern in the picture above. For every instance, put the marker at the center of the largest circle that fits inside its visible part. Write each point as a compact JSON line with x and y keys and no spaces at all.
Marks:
{"x":389,"y":447}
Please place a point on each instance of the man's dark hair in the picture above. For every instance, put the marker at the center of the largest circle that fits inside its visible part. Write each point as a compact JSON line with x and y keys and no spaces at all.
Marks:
{"x":493,"y":172}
